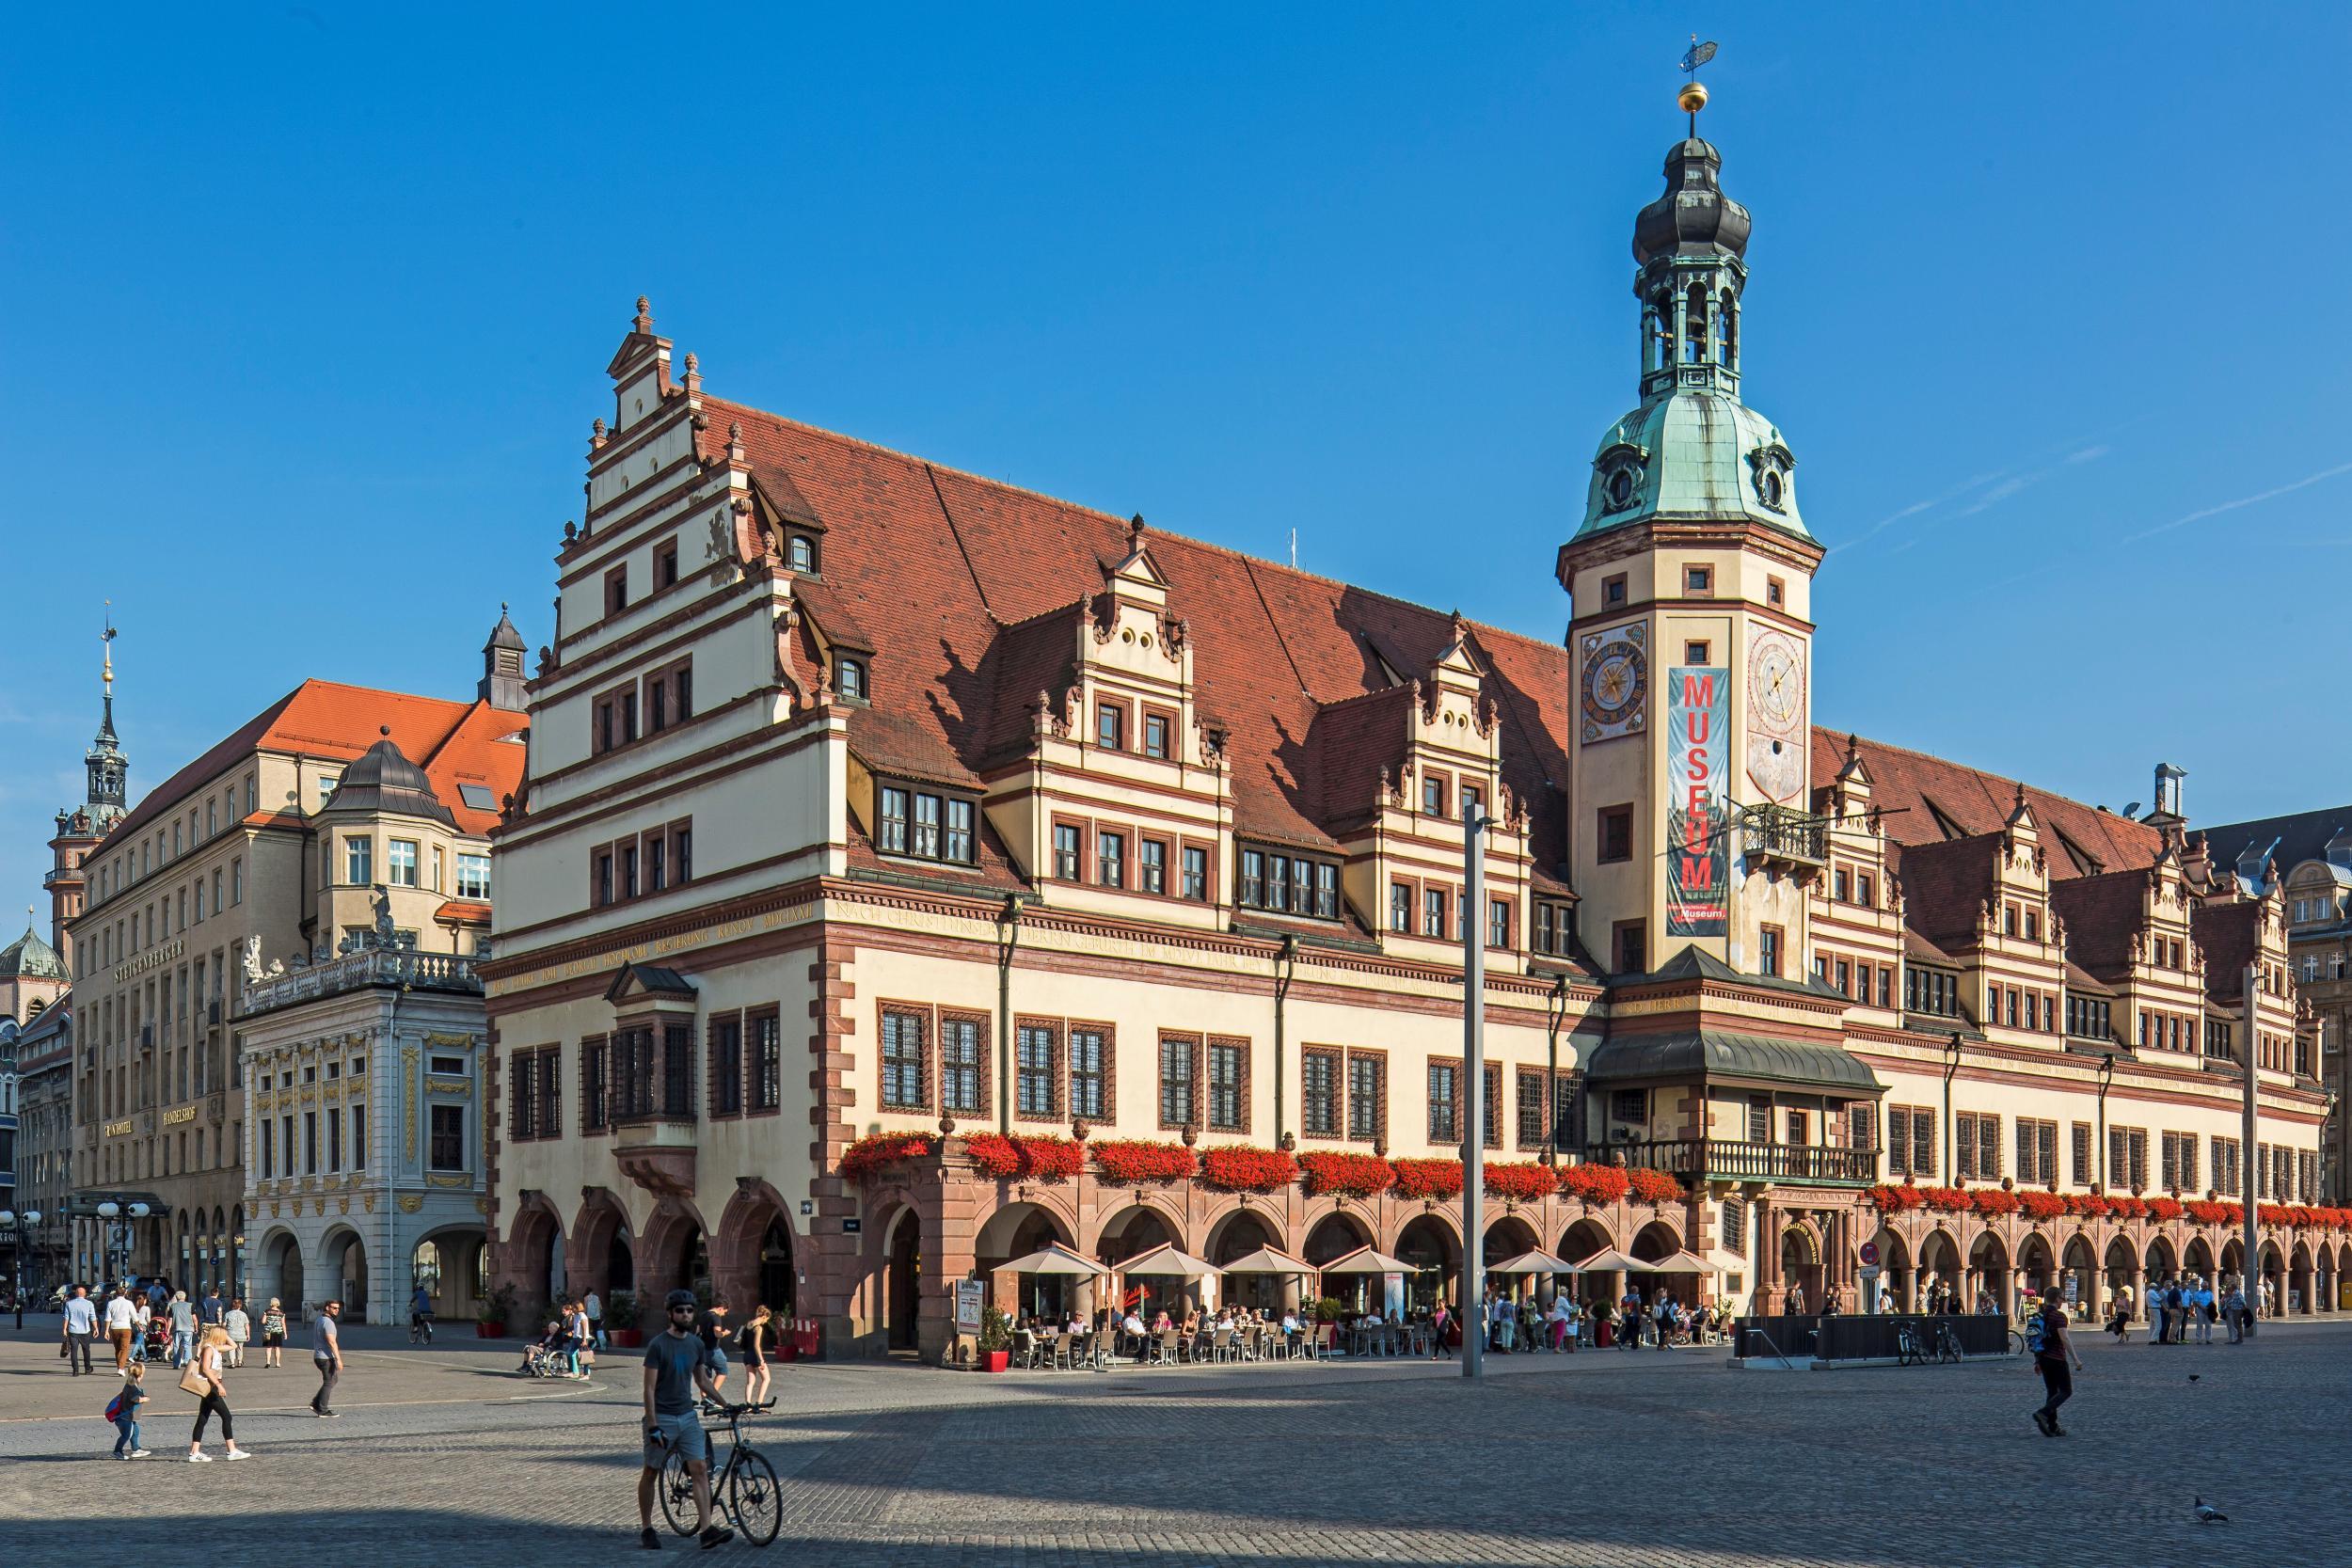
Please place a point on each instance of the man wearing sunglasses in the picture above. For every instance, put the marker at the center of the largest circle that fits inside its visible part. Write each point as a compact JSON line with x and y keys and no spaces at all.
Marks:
{"x":677,"y":1365}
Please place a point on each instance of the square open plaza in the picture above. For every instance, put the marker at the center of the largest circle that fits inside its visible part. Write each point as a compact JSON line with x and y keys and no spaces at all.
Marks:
{"x":1110,"y":1019}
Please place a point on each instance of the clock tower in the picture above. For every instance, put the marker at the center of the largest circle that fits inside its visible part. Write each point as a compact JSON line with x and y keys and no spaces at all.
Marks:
{"x":1690,"y":635}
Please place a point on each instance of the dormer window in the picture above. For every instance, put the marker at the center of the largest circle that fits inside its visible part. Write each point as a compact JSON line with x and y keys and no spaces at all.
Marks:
{"x":925,"y":824}
{"x":849,"y":680}
{"x":802,"y":552}
{"x":1289,"y":884}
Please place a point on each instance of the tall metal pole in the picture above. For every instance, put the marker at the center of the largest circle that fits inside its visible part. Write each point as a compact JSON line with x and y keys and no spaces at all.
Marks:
{"x":2250,"y":1269}
{"x":1474,"y":1095}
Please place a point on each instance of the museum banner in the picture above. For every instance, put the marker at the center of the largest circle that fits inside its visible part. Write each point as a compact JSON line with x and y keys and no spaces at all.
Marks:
{"x":1698,"y":764}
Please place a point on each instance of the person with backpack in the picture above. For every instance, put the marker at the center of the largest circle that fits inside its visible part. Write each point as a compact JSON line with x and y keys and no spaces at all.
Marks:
{"x":123,"y":1411}
{"x":2052,"y":1347}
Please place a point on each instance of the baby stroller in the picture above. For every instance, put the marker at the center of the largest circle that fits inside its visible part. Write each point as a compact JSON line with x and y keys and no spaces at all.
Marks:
{"x":157,"y":1345}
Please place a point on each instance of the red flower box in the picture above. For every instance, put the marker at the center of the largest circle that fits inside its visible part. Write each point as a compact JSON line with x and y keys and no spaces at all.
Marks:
{"x":1891,"y":1199}
{"x":1353,"y":1175}
{"x":1601,"y":1184}
{"x":2042,"y":1206}
{"x":2088,"y":1205}
{"x":1992,"y":1200}
{"x":1050,"y":1159}
{"x":1653,"y":1186}
{"x":2210,"y":1213}
{"x":1242,"y":1169}
{"x":1429,"y":1178}
{"x":1136,"y":1160}
{"x":1529,"y":1182}
{"x":2127,"y":1208}
{"x":877,"y":1150}
{"x":2165,"y":1208}
{"x":994,"y":1154}
{"x":1949,"y":1200}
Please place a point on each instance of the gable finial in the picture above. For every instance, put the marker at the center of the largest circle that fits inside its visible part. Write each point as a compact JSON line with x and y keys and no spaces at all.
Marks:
{"x":645,"y":314}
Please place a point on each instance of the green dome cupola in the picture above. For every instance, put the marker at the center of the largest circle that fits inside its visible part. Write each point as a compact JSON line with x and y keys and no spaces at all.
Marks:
{"x":1692,"y":450}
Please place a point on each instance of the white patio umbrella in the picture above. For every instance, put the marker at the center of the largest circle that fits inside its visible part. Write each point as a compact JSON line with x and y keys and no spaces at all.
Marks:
{"x":1268,"y":1259}
{"x":1608,"y":1260}
{"x":1537,"y":1261}
{"x":1365,"y":1259}
{"x":1168,"y":1259}
{"x":1056,"y":1258}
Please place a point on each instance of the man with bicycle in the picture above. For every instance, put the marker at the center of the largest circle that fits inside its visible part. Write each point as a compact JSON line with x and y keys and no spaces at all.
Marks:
{"x":676,"y":1365}
{"x":421,"y":1316}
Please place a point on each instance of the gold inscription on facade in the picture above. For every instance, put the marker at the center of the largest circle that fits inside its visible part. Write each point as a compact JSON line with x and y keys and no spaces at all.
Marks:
{"x":179,"y":1113}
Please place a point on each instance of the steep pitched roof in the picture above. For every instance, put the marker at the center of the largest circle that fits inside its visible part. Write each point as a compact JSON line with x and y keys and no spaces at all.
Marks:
{"x":2301,"y":837}
{"x":1945,"y":886}
{"x":2101,"y":915}
{"x":2229,"y":936}
{"x":1928,"y":801}
{"x":940,"y":567}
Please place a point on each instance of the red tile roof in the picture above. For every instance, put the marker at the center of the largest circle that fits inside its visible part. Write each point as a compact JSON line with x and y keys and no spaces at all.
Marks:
{"x":2230,"y":934}
{"x":1946,"y":886}
{"x":454,"y":743}
{"x":2102,"y":913}
{"x":1913,"y":789}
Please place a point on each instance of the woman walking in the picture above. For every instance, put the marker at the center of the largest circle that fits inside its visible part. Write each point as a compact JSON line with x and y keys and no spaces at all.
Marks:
{"x":759,"y":1341}
{"x":240,"y":1330}
{"x":272,"y":1334}
{"x":206,"y":1368}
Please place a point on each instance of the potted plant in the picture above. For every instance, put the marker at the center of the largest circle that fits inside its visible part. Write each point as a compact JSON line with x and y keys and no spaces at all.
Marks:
{"x":491,"y":1312}
{"x":620,"y":1320}
{"x":995,"y":1340}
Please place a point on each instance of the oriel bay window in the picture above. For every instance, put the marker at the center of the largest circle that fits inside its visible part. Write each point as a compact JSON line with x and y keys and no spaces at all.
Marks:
{"x":926,"y":825}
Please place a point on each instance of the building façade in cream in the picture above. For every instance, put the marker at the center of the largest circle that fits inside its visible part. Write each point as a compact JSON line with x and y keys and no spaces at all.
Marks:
{"x":890,"y":831}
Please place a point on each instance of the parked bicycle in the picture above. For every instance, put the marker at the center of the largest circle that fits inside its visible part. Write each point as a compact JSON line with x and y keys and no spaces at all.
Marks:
{"x":743,"y":1488}
{"x":1909,"y":1352}
{"x":1947,"y":1343}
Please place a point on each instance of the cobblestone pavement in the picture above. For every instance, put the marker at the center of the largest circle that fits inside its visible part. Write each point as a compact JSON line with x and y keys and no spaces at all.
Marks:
{"x":1603,"y":1458}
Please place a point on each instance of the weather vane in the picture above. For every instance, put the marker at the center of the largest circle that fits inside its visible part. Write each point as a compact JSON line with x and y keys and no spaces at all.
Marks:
{"x":1693,"y":96}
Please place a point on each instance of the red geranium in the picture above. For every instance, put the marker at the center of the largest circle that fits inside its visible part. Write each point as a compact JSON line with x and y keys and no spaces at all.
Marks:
{"x":1523,"y":1184}
{"x":1653,"y":1186}
{"x":1992,"y":1200}
{"x":1891,"y":1199}
{"x":877,"y":1149}
{"x":2042,"y":1206}
{"x":2164,"y":1208}
{"x":1354,"y":1175}
{"x":2127,"y":1208}
{"x":2204,"y":1212}
{"x":1429,"y":1178}
{"x":1596,"y":1184}
{"x":1046,"y":1159}
{"x":994,"y":1155}
{"x":2088,"y":1205}
{"x":1950,"y":1200}
{"x":1241,"y":1168}
{"x":1134,"y":1160}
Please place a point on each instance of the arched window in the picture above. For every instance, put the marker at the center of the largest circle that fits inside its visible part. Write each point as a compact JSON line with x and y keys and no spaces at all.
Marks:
{"x":1729,"y":307}
{"x":1663,"y":322}
{"x":1694,"y":327}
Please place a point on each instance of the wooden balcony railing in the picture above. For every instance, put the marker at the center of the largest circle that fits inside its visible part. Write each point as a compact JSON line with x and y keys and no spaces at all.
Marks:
{"x":1727,"y":1160}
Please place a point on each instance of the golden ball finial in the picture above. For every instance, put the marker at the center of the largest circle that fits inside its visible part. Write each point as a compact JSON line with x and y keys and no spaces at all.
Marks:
{"x":1693,"y":98}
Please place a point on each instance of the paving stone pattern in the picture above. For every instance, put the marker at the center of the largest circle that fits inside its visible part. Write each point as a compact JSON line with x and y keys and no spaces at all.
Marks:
{"x":1602,"y":1458}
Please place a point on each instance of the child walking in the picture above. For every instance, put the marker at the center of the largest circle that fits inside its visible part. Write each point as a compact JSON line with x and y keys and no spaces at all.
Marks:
{"x":124,"y":1409}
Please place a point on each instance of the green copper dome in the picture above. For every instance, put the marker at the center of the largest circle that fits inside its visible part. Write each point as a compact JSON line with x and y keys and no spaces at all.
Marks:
{"x":1692,"y":457}
{"x":1692,"y":451}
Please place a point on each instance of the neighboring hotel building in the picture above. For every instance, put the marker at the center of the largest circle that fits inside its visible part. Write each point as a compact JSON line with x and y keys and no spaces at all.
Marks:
{"x":868,"y":796}
{"x":245,"y":856}
{"x":44,"y":1144}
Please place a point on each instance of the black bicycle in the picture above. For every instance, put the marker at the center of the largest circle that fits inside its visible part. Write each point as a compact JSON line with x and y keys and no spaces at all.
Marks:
{"x":1908,"y":1351}
{"x":1947,"y":1343}
{"x":420,"y":1328}
{"x":744,"y":1487}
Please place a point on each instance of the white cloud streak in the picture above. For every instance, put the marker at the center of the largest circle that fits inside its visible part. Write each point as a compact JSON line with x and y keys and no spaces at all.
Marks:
{"x":2257,"y":498}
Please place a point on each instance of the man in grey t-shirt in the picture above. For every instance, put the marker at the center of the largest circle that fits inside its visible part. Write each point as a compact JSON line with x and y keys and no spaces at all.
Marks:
{"x":677,"y":1365}
{"x":326,"y":1353}
{"x":81,"y":1327}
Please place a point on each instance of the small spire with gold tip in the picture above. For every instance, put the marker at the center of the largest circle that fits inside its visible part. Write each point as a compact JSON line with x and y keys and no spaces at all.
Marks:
{"x":1693,"y":98}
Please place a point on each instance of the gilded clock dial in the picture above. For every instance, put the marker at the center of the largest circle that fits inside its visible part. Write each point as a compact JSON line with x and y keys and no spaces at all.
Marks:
{"x":1616,"y":683}
{"x":1776,"y":684}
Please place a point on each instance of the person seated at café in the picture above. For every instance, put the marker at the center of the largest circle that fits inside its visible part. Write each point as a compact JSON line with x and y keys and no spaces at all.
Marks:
{"x":1162,"y":1323}
{"x":1132,"y":1326}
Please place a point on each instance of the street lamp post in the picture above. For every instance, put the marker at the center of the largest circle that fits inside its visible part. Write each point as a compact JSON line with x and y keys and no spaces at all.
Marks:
{"x":18,"y":1228}
{"x":1474,"y":918}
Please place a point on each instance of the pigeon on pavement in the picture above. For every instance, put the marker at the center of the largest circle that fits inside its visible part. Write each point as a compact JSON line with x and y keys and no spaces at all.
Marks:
{"x":2205,"y":1513}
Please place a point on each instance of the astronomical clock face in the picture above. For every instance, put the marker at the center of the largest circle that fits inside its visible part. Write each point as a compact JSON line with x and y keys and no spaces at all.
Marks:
{"x":1776,"y":754}
{"x":1615,"y":694}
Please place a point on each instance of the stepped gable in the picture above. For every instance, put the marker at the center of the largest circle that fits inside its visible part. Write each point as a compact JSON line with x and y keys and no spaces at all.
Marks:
{"x":2102,"y":915}
{"x":1930,"y":800}
{"x":938,"y":566}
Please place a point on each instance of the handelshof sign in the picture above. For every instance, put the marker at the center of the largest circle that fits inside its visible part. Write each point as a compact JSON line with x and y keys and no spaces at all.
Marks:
{"x":1698,"y":773}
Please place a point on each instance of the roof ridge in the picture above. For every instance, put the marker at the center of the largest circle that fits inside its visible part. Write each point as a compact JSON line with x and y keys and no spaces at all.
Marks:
{"x":1983,"y":773}
{"x":1322,"y":706}
{"x":1155,"y":531}
{"x":1078,"y":604}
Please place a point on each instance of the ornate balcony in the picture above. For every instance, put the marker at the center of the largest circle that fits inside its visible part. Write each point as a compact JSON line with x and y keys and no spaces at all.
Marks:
{"x":369,"y":966}
{"x":1780,"y":834}
{"x":1726,"y":1160}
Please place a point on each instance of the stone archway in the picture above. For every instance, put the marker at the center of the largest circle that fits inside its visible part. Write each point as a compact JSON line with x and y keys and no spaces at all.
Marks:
{"x":2163,"y":1262}
{"x":2273,"y":1278}
{"x":1238,"y":1234}
{"x":1580,"y":1240}
{"x":1431,"y":1245}
{"x":2079,"y":1271}
{"x":2324,"y":1282}
{"x":2037,"y":1270}
{"x":1988,"y":1273}
{"x":902,"y":1282}
{"x":672,"y":1255}
{"x":2198,"y":1261}
{"x":1802,"y":1266}
{"x":1134,"y":1229}
{"x":597,"y":1255}
{"x":457,"y":1251}
{"x":2122,"y":1271}
{"x":533,"y":1260}
{"x":344,"y":1257}
{"x":1942,"y":1283}
{"x":1896,"y":1280}
{"x":2297,"y":1301}
{"x":280,"y":1274}
{"x":752,"y":1254}
{"x":1335,"y":1235}
{"x":1014,"y":1231}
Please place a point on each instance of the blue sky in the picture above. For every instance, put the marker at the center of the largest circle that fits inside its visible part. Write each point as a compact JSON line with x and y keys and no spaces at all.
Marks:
{"x":307,"y":309}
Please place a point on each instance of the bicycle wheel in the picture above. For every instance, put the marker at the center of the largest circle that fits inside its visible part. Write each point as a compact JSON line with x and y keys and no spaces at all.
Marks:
{"x":2017,"y":1341}
{"x":758,"y":1504}
{"x":678,"y":1493}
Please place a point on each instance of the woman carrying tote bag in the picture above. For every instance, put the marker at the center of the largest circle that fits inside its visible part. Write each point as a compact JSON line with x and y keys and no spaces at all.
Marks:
{"x":202,"y":1377}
